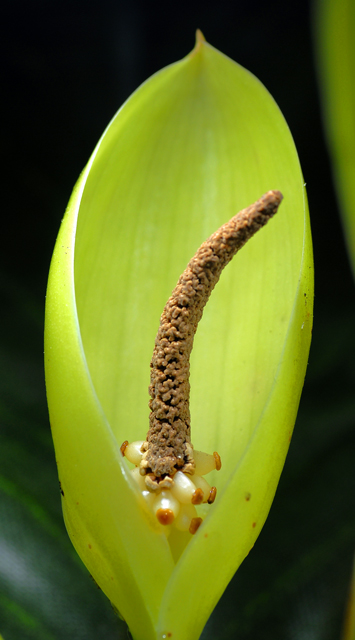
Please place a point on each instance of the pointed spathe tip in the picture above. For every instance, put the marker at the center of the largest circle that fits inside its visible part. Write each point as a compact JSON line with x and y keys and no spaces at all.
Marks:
{"x":200,"y":41}
{"x":200,"y":38}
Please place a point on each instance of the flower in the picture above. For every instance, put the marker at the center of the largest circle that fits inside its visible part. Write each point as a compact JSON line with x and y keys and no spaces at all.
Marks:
{"x":193,"y":145}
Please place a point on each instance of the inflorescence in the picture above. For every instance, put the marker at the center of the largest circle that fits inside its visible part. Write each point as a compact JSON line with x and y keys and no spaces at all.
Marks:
{"x":168,"y":470}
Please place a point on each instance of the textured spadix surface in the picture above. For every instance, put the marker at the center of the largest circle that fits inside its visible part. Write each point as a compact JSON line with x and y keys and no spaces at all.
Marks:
{"x":197,"y":142}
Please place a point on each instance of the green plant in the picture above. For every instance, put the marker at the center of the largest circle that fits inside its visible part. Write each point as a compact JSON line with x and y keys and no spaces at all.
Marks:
{"x":194,"y":144}
{"x":334,"y":27}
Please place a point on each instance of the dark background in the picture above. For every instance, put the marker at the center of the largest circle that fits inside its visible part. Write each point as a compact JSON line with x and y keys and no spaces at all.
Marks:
{"x":67,"y":67}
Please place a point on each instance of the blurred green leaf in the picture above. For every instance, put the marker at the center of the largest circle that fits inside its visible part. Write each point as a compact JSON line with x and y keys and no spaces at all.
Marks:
{"x":334,"y":24}
{"x":45,"y":592}
{"x":349,"y":630}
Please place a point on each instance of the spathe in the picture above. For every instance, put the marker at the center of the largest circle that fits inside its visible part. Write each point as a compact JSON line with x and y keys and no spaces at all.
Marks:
{"x":193,"y":145}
